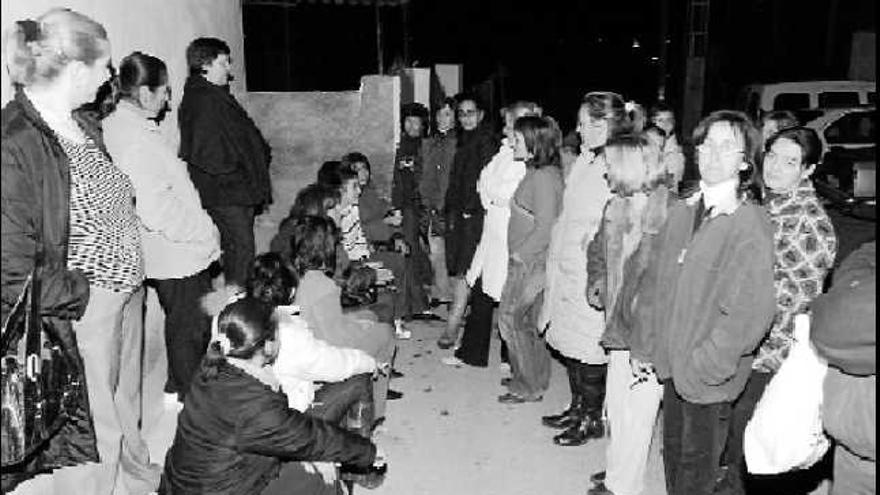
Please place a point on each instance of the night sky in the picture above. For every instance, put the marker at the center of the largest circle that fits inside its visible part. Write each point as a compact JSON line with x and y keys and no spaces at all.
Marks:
{"x":554,"y":51}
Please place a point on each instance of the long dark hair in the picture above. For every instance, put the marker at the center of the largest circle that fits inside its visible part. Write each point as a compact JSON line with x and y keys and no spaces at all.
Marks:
{"x":313,"y":244}
{"x":543,"y":139}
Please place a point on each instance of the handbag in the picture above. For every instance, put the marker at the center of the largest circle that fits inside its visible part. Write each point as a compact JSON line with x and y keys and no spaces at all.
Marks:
{"x":40,"y":381}
{"x":785,"y":432}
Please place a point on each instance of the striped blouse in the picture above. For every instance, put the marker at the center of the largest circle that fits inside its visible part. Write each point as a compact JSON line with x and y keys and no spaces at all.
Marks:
{"x":104,"y":240}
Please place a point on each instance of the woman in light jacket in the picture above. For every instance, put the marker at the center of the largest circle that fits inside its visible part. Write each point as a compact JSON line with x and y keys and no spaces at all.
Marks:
{"x":180,"y":240}
{"x":574,"y":327}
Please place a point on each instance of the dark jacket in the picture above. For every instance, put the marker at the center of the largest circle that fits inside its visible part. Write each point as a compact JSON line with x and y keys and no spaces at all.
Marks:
{"x":234,"y":432}
{"x":844,"y":331}
{"x":474,"y":150}
{"x":373,"y":209}
{"x":227,"y":156}
{"x":437,"y":154}
{"x":36,"y":189}
{"x":405,"y":181}
{"x":706,"y":301}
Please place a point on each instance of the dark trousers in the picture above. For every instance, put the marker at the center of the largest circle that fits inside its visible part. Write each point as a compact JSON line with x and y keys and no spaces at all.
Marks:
{"x":477,"y":336}
{"x":348,"y":403}
{"x":187,"y":327}
{"x":737,"y":480}
{"x":236,"y":226}
{"x":693,"y":441}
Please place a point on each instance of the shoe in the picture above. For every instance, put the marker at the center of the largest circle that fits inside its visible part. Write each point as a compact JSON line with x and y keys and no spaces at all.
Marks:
{"x":446,"y":341}
{"x":401,"y":331}
{"x":512,"y":398}
{"x":599,"y":489}
{"x":587,"y":429}
{"x":598,"y":477}
{"x":393,"y":395}
{"x":395,"y":374}
{"x":453,"y":361}
{"x":564,"y":420}
{"x":427,"y":316}
{"x":369,"y":477}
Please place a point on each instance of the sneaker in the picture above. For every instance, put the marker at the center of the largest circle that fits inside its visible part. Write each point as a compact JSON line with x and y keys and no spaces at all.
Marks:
{"x":400,"y":330}
{"x":452,"y":361}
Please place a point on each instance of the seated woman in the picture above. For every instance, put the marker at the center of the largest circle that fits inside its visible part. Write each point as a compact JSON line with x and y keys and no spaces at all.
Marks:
{"x":314,"y":199}
{"x":236,"y":433}
{"x":313,"y":244}
{"x":303,"y":359}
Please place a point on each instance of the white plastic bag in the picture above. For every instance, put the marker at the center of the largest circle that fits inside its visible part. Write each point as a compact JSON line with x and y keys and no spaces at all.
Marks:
{"x":785,"y":432}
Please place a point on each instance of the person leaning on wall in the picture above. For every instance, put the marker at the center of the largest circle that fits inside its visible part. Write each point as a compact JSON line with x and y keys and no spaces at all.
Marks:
{"x":227,"y":155}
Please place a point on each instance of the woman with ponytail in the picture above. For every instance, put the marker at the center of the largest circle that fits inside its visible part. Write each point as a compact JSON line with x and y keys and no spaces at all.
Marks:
{"x":236,"y":433}
{"x":574,"y":327}
{"x":179,"y":239}
{"x":68,"y":216}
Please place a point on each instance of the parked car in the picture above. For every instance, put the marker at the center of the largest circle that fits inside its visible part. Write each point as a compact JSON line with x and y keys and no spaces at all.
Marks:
{"x":805,"y":97}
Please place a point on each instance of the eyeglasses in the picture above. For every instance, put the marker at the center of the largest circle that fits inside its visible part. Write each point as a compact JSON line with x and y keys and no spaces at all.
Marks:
{"x":721,"y":150}
{"x":467,"y":113}
{"x":787,"y":161}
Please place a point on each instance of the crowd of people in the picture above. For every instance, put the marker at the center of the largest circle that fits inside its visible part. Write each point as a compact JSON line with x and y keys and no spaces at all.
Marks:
{"x":649,"y":293}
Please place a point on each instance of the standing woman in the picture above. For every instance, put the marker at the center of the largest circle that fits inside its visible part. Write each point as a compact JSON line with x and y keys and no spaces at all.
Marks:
{"x":104,"y":242}
{"x":180,"y":241}
{"x":57,"y":64}
{"x":533,"y":210}
{"x":805,"y":247}
{"x":464,"y":212}
{"x":437,"y":153}
{"x":618,"y":255}
{"x":574,"y":327}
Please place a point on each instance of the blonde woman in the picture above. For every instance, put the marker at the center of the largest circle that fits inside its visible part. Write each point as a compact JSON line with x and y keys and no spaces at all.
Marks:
{"x":618,"y":255}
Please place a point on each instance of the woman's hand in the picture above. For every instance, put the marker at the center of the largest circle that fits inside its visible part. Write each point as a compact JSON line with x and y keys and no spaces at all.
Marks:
{"x":641,"y":371}
{"x":596,"y":294}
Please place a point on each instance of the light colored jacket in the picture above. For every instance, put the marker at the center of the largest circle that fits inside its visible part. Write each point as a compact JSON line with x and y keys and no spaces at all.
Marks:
{"x":179,"y":239}
{"x":498,"y":181}
{"x":303,"y":360}
{"x":575,"y":327}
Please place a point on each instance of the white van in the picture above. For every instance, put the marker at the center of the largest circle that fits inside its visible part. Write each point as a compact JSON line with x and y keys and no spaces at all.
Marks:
{"x":758,"y":99}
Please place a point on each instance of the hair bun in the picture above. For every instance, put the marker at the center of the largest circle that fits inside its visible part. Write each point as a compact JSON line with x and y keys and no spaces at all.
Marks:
{"x":31,"y":30}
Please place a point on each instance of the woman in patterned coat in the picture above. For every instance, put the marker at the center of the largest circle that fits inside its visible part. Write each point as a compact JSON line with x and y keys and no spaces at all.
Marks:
{"x":805,"y":245}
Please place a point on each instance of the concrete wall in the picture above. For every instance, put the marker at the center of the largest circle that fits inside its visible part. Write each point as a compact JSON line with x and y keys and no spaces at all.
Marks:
{"x":307,"y":129}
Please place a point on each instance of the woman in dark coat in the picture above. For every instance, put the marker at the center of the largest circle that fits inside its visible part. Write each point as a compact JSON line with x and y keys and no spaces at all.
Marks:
{"x":236,"y":433}
{"x":476,"y":145}
{"x":35,"y":206}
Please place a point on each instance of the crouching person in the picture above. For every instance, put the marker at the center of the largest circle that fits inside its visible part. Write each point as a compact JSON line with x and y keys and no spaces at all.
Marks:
{"x":236,"y":433}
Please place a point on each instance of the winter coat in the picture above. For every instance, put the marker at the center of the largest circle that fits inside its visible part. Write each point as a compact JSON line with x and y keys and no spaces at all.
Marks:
{"x":844,"y":332}
{"x":235,"y":431}
{"x":464,"y":209}
{"x":303,"y":360}
{"x":227,"y":155}
{"x":498,"y":181}
{"x":36,"y":189}
{"x":706,"y":300}
{"x":178,"y":236}
{"x":805,"y":246}
{"x":575,"y":327}
{"x":437,"y":154}
{"x":619,"y":254}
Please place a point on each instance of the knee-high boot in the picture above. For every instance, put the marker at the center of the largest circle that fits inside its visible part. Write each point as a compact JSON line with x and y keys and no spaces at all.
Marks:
{"x":572,"y":414}
{"x":591,"y":379}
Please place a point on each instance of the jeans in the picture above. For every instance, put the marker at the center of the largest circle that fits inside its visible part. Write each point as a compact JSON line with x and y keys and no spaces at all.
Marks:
{"x":694,"y":436}
{"x":187,"y":327}
{"x":350,"y":399}
{"x":477,"y":336}
{"x":236,"y":226}
{"x":520,"y":308}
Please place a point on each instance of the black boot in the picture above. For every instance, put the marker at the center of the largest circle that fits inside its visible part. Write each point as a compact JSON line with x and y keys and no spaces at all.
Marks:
{"x":567,"y":418}
{"x":586,"y":429}
{"x":590,"y":380}
{"x":572,"y":414}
